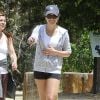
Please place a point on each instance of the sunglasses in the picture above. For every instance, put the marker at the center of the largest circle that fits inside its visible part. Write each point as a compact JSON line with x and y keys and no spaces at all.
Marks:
{"x":49,"y":16}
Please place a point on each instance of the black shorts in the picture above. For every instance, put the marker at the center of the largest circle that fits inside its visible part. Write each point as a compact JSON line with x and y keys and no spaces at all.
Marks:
{"x":43,"y":75}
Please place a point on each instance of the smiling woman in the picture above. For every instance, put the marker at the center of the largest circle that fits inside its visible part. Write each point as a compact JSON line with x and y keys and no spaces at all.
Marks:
{"x":6,"y":47}
{"x":53,"y":44}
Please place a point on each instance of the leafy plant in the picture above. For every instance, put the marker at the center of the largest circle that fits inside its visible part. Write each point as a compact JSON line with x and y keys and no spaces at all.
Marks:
{"x":81,"y":58}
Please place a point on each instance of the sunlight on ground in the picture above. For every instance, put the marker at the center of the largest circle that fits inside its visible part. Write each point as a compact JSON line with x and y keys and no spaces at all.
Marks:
{"x":18,"y":96}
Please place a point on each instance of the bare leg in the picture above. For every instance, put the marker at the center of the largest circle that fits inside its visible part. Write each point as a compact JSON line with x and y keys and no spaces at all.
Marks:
{"x":4,"y":85}
{"x":52,"y":88}
{"x":41,"y":86}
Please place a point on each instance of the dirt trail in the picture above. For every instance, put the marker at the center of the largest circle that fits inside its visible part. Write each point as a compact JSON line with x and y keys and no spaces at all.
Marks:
{"x":66,"y":96}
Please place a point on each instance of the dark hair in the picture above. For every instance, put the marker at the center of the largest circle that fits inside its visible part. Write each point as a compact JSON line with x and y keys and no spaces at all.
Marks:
{"x":2,"y":13}
{"x":8,"y":34}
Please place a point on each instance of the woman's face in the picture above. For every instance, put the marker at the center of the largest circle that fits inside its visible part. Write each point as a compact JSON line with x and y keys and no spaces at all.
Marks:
{"x":51,"y":19}
{"x":2,"y":23}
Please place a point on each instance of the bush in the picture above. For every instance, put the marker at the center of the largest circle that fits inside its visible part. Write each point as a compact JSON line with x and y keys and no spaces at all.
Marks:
{"x":81,"y":58}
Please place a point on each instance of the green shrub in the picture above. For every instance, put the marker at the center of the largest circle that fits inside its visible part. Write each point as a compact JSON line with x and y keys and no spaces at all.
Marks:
{"x":81,"y":58}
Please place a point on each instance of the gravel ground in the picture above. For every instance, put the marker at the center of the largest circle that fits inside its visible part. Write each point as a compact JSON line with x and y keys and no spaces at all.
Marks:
{"x":87,"y":96}
{"x":64,"y":96}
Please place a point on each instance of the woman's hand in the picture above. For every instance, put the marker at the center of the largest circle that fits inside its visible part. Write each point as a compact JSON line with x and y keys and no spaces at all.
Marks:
{"x":31,"y":41}
{"x":49,"y":51}
{"x":14,"y":66}
{"x":53,"y":52}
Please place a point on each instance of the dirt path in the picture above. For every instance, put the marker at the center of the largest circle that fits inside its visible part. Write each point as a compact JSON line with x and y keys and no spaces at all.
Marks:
{"x":63,"y":96}
{"x":87,"y":96}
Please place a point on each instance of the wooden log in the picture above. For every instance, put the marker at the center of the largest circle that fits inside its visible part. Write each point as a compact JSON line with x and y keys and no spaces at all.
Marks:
{"x":75,"y":82}
{"x":29,"y":87}
{"x":71,"y":82}
{"x":87,"y":82}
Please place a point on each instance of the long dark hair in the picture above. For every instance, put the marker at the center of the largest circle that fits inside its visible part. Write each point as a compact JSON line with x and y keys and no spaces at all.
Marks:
{"x":8,"y":34}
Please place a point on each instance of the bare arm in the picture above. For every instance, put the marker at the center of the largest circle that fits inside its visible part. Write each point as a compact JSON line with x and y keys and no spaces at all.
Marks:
{"x":65,"y":52}
{"x":34,"y":36}
{"x":53,"y":52}
{"x":12,"y":54}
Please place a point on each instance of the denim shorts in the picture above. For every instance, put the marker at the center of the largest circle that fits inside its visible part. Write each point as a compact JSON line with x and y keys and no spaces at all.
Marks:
{"x":44,"y":75}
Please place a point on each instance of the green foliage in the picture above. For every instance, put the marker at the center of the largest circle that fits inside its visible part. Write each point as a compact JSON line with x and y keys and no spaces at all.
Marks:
{"x":81,"y":58}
